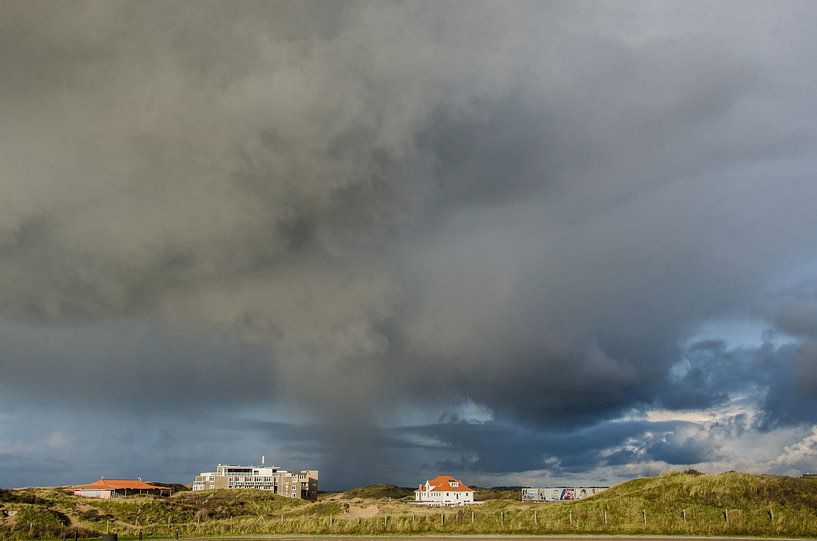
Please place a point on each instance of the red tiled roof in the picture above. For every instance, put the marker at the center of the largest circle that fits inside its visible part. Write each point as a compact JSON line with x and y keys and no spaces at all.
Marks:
{"x":119,"y":484}
{"x":442,"y":483}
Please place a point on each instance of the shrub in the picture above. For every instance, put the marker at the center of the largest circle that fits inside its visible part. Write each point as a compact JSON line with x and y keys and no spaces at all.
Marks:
{"x":41,"y":516}
{"x":93,"y":515}
{"x":21,"y":496}
{"x":41,"y":531}
{"x":379,"y":491}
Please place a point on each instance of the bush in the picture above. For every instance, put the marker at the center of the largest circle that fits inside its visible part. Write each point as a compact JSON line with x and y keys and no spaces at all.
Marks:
{"x":93,"y":515}
{"x":234,"y":503}
{"x":20,"y":496}
{"x":41,"y":531}
{"x":41,"y":516}
{"x":379,"y":491}
{"x":175,"y":487}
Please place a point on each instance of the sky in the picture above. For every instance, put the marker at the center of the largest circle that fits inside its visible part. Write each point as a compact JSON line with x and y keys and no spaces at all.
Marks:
{"x":522,"y":243}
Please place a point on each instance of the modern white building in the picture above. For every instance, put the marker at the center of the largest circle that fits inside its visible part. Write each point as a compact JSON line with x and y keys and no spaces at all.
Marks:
{"x":444,"y":490}
{"x":302,"y":484}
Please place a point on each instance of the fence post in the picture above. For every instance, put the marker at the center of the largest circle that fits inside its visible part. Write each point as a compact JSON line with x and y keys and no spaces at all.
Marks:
{"x":570,"y":516}
{"x":442,"y":519}
{"x":645,"y":517}
{"x":472,"y":517}
{"x":771,"y":514}
{"x":502,"y":518}
{"x":684,"y":514}
{"x":140,"y":534}
{"x":726,"y":515}
{"x":535,"y":519}
{"x":177,"y":533}
{"x":605,"y":517}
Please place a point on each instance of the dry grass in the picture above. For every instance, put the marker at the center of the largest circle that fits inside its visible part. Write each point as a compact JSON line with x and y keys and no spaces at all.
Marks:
{"x":675,"y":503}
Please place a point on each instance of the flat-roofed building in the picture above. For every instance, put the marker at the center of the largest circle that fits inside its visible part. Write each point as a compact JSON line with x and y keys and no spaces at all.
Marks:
{"x":302,"y":484}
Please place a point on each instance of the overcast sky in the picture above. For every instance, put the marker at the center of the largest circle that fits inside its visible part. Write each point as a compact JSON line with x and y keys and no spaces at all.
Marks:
{"x":516,"y":242}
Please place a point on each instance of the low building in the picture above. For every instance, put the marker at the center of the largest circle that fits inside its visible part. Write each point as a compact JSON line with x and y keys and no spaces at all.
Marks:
{"x":302,"y":484}
{"x":116,"y":488}
{"x":444,"y":490}
{"x":555,"y":494}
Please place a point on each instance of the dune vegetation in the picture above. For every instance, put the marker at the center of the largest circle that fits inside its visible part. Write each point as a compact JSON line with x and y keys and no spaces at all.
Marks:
{"x":675,"y":503}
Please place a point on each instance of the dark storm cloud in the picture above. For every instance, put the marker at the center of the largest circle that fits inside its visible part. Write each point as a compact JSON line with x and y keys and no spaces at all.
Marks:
{"x":362,"y":208}
{"x":791,"y":371}
{"x":500,"y":448}
{"x":12,"y":464}
{"x":792,"y":385}
{"x":127,"y":365}
{"x":709,"y":373}
{"x":779,"y":377}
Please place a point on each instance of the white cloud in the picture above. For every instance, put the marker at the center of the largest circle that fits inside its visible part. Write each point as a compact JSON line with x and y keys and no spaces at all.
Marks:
{"x":799,"y":457}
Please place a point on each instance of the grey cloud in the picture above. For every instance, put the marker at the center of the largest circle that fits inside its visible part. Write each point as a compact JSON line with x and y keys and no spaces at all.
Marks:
{"x":18,"y":470}
{"x":123,"y":365}
{"x":500,"y":448}
{"x":792,"y":395}
{"x":776,"y":379}
{"x":363,"y":207}
{"x":675,"y":451}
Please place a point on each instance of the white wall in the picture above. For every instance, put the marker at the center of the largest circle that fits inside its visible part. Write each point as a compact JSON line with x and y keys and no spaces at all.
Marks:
{"x":445,"y":498}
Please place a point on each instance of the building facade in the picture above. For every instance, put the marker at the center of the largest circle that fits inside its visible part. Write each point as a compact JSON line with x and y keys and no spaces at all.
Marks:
{"x":444,"y":490}
{"x":116,"y":488}
{"x":302,"y":484}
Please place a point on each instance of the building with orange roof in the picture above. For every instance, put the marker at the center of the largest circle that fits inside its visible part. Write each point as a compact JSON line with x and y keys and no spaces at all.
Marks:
{"x":444,"y":490}
{"x":116,"y":488}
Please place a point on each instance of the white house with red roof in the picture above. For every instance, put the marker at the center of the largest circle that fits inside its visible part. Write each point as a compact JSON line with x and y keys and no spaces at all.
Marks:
{"x":444,"y":490}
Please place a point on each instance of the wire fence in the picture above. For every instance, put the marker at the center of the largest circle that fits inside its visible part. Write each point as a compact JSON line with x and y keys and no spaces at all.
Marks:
{"x":539,"y":519}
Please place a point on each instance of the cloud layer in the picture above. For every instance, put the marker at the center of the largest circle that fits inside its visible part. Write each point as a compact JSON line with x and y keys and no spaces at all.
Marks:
{"x":363,"y":217}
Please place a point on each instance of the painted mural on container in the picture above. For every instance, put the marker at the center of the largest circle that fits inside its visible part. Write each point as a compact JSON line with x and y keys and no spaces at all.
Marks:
{"x":555,"y":494}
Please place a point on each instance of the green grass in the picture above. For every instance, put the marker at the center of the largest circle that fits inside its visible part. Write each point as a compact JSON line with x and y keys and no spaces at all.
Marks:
{"x":485,"y":494}
{"x":675,"y":503}
{"x":40,"y":516}
{"x":379,"y":491}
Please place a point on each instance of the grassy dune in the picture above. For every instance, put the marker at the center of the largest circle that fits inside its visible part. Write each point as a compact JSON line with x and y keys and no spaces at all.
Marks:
{"x":675,"y":503}
{"x":379,"y":491}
